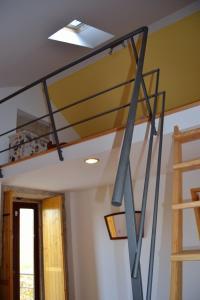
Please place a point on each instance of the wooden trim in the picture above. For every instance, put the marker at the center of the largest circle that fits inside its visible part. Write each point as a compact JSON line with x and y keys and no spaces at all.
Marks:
{"x":187,"y":255}
{"x":16,"y":251}
{"x":188,"y":136}
{"x":195,"y":199}
{"x":186,"y":204}
{"x":30,"y":194}
{"x":16,"y":267}
{"x":4,"y":282}
{"x":6,"y":270}
{"x":187,"y":165}
{"x":65,"y":248}
{"x":177,"y":224}
{"x":105,"y":132}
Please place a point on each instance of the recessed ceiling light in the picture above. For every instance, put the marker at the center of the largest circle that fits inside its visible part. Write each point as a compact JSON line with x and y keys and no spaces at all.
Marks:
{"x":91,"y":160}
{"x":81,"y":34}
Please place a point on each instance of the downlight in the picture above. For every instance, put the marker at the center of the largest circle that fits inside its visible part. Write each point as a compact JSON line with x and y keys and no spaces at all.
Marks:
{"x":91,"y":161}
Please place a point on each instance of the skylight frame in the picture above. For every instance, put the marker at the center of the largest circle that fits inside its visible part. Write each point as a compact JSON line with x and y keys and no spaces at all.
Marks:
{"x":81,"y":34}
{"x":75,"y":27}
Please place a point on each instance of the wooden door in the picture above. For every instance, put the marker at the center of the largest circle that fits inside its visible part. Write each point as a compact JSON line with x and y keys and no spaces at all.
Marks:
{"x":53,"y":249}
{"x":6,"y":270}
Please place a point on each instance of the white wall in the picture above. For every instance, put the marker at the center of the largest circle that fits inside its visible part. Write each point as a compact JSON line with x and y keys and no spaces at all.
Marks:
{"x":32,"y":102}
{"x":99,"y":267}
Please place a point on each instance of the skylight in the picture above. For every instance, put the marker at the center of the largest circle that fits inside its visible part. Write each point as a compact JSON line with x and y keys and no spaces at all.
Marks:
{"x":81,"y":34}
{"x":75,"y":25}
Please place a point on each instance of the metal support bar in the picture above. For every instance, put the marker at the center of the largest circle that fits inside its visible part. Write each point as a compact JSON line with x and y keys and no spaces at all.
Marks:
{"x":52,"y":120}
{"x":143,"y":84}
{"x":126,"y":147}
{"x":132,"y":234}
{"x":145,"y":192}
{"x":80,"y":101}
{"x":155,"y":213}
{"x":156,"y":97}
{"x":77,"y":123}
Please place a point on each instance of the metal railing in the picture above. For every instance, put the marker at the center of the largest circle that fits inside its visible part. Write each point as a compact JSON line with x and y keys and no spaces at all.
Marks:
{"x":123,"y":184}
{"x":43,"y":82}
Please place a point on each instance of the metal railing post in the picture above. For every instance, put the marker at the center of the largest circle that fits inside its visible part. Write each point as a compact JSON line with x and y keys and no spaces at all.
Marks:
{"x":126,"y":147}
{"x":146,"y":182}
{"x":143,"y":84}
{"x":46,"y":93}
{"x":132,"y":234}
{"x":155,"y":213}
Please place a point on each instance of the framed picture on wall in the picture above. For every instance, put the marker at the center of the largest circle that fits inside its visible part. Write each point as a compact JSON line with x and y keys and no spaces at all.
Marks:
{"x":116,"y":225}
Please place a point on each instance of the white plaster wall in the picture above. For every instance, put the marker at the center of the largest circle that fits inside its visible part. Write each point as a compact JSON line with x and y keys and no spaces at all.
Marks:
{"x":32,"y":102}
{"x":99,"y":267}
{"x":1,"y":220}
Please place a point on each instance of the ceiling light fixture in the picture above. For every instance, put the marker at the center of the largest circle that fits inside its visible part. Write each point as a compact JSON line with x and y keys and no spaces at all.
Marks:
{"x":91,"y":160}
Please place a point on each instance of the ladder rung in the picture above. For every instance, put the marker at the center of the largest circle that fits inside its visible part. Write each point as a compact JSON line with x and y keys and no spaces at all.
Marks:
{"x":187,"y":165}
{"x":186,"y":255}
{"x":191,"y":135}
{"x":188,"y":204}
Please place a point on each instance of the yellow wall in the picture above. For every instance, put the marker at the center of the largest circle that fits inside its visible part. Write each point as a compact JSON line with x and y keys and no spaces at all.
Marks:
{"x":174,"y":49}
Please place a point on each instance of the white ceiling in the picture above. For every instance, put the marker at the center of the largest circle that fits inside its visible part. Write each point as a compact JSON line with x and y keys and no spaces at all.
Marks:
{"x":25,"y":51}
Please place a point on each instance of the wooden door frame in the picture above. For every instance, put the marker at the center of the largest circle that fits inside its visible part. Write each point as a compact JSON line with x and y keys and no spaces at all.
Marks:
{"x":16,"y":255}
{"x":19,"y":194}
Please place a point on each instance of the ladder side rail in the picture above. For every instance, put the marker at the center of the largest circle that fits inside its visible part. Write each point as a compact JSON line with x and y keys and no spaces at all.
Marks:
{"x":136,"y":283}
{"x":155,"y":212}
{"x":126,"y":146}
{"x":177,"y":224}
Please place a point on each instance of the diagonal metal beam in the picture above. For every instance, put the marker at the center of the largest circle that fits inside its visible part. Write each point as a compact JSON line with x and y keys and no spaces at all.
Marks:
{"x":46,"y":93}
{"x":143,"y":84}
{"x":132,"y":234}
{"x":145,"y":191}
{"x":126,"y":147}
{"x":155,"y":213}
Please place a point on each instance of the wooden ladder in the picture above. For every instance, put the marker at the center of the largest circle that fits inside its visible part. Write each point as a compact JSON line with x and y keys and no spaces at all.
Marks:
{"x":178,"y":255}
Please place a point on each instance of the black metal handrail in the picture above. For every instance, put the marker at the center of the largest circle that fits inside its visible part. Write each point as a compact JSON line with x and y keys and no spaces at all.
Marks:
{"x":77,"y":123}
{"x":110,"y":45}
{"x":80,"y":101}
